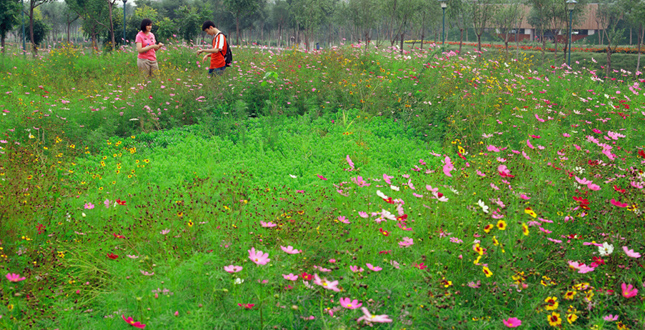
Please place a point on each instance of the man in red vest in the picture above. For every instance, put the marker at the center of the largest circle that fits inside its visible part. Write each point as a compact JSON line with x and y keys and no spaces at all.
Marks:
{"x":218,"y":63}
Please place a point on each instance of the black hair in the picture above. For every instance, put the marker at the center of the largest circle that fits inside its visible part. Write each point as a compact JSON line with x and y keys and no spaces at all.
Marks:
{"x":144,"y":23}
{"x":207,"y":25}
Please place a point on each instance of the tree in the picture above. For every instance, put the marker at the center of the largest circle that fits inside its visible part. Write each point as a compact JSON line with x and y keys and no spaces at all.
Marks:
{"x":280,"y":17}
{"x":362,"y":13}
{"x":241,"y":9}
{"x":505,"y":20}
{"x":458,"y":16}
{"x":9,"y":10}
{"x":481,"y":12}
{"x":634,"y":14}
{"x":610,"y":14}
{"x":33,"y":4}
{"x":309,"y":14}
{"x":540,"y":21}
{"x":94,"y":15}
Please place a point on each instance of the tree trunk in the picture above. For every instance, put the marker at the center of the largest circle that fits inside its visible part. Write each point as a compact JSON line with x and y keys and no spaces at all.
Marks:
{"x":110,"y":4}
{"x":68,"y":25}
{"x":306,"y":40}
{"x":608,"y":67}
{"x":640,"y":41}
{"x":461,"y":39}
{"x":543,"y":46}
{"x":402,"y":36}
{"x":555,"y":51}
{"x":237,"y":28}
{"x":2,"y":37}
{"x":31,"y":29}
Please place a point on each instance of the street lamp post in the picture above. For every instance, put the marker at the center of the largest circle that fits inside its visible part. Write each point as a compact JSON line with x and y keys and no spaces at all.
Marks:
{"x":571,"y":4}
{"x":22,"y":10}
{"x":124,"y":2}
{"x":443,"y":30}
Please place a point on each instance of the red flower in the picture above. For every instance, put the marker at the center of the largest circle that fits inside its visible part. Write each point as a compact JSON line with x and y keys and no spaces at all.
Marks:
{"x":118,"y":236}
{"x":41,"y":228}
{"x":112,"y":256}
{"x":402,"y":218}
{"x":246,"y":306}
{"x":306,"y":277}
{"x":384,"y":232}
{"x":131,"y":322}
{"x":150,"y":97}
{"x":385,"y":252}
{"x":597,"y":262}
{"x":420,"y":266}
{"x":593,"y":162}
{"x":641,"y":153}
{"x":389,"y":200}
{"x":120,"y":202}
{"x":581,"y":200}
{"x":618,"y":189}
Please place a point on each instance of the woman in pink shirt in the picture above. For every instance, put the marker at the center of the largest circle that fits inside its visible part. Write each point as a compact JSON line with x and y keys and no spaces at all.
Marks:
{"x":146,"y":46}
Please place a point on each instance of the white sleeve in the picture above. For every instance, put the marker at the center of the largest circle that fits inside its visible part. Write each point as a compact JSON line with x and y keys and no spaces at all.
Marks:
{"x":220,"y":41}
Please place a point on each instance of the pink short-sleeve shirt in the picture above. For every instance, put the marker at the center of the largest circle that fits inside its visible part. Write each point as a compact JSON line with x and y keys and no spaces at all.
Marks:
{"x":147,"y":40}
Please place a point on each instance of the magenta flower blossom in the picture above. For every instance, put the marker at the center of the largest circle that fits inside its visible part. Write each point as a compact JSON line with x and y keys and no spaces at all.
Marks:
{"x":290,"y":250}
{"x":258,"y":257}
{"x":407,"y":242}
{"x":89,"y":206}
{"x":350,"y":304}
{"x":512,"y":322}
{"x":617,"y":203}
{"x":343,"y":219}
{"x":356,"y":269}
{"x":267,"y":224}
{"x":369,"y":318}
{"x":474,"y":285}
{"x":106,"y":203}
{"x":610,"y":318}
{"x":373,"y":268}
{"x":629,"y":291}
{"x":326,"y":284}
{"x":631,"y":253}
{"x":362,"y":214}
{"x":232,"y":269}
{"x":15,"y":277}
{"x":290,"y":277}
{"x":322,"y":269}
{"x":131,"y":322}
{"x":146,"y":273}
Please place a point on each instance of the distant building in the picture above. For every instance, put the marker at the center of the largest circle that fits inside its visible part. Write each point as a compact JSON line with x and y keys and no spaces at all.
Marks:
{"x":586,"y":25}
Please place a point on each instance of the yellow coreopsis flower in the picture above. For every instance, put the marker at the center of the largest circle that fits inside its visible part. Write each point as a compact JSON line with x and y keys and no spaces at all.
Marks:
{"x":552,"y":303}
{"x":554,"y":319}
{"x":525,"y":229}
{"x":487,"y":271}
{"x":501,"y":225}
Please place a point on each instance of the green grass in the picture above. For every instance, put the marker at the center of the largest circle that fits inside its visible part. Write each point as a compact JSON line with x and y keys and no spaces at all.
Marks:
{"x":184,"y":188}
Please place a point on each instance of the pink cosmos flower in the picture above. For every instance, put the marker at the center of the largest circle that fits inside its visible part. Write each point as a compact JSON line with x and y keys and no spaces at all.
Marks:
{"x":290,"y":277}
{"x":583,"y":181}
{"x":258,"y":257}
{"x":631,"y":253}
{"x":356,"y":269}
{"x":343,"y":219}
{"x":407,"y":242}
{"x":395,"y":264}
{"x":512,"y":322}
{"x":106,"y":202}
{"x":146,"y":273}
{"x":369,"y":318}
{"x":131,"y":322}
{"x":321,"y":177}
{"x":629,"y":290}
{"x":89,"y":206}
{"x":246,"y":306}
{"x":617,"y":203}
{"x":290,"y":250}
{"x":528,"y":143}
{"x":232,"y":269}
{"x":267,"y":224}
{"x":387,"y":178}
{"x":374,"y":269}
{"x":350,"y":304}
{"x":15,"y":277}
{"x":474,"y":285}
{"x":326,"y":284}
{"x":363,"y":214}
{"x":448,"y":166}
{"x":350,"y":162}
{"x":610,"y":318}
{"x":593,"y":186}
{"x":322,"y":269}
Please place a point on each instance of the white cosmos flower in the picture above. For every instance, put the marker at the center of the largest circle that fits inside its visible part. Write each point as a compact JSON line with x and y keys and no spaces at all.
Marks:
{"x":388,"y":215}
{"x":238,"y":281}
{"x":380,"y":194}
{"x":606,"y":249}
{"x":483,"y":206}
{"x":293,"y":176}
{"x":394,"y":188}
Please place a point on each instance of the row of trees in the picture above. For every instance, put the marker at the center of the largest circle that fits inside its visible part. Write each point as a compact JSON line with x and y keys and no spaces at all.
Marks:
{"x":390,"y":21}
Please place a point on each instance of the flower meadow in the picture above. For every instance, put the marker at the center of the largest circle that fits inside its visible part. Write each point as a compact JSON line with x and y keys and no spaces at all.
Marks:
{"x":337,"y":189}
